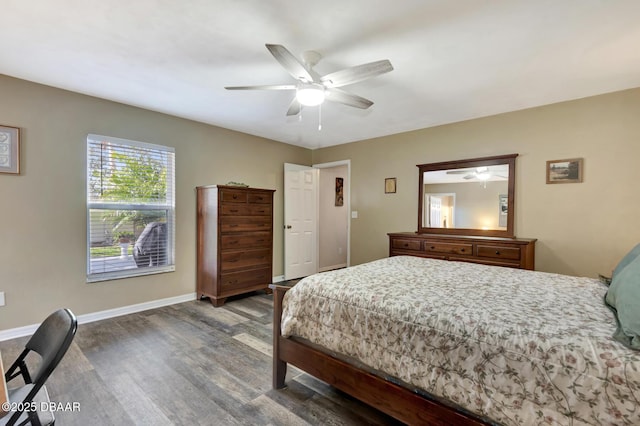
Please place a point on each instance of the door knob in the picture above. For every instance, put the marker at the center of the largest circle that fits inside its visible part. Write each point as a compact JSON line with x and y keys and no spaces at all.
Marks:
{"x":288,"y":227}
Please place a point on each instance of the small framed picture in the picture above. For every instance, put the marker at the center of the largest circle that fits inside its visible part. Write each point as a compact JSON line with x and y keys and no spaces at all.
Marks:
{"x":390,"y":186}
{"x":339,"y":191}
{"x":9,"y":149}
{"x":564,"y":171}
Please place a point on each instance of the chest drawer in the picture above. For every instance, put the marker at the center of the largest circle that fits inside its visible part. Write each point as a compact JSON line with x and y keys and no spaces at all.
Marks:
{"x":449,"y":248}
{"x":238,"y":280}
{"x":237,"y":209}
{"x":406,"y":244}
{"x":232,"y":196}
{"x":239,"y":241}
{"x":244,"y":223}
{"x":499,"y":252}
{"x":259,"y":198}
{"x":243,"y":259}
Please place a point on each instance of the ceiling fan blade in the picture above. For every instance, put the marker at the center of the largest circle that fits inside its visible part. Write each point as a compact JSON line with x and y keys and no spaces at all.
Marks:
{"x":294,"y":107}
{"x":289,"y":62}
{"x":459,"y":172}
{"x":340,"y":96}
{"x":264,"y":87}
{"x":355,"y":74}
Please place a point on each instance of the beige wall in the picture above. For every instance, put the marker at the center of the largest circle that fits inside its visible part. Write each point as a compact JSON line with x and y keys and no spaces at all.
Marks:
{"x":582,"y":228}
{"x":332,"y":219}
{"x":42,"y":211}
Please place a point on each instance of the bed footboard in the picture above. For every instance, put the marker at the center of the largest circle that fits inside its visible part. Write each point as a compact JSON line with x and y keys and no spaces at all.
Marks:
{"x":388,"y":397}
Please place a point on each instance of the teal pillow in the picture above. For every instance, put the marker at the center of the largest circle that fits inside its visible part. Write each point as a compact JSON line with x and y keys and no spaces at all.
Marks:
{"x":628,"y":258}
{"x":624,"y":297}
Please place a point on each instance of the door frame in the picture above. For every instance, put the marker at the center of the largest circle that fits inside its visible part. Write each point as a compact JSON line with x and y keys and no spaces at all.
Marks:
{"x":347,"y":201}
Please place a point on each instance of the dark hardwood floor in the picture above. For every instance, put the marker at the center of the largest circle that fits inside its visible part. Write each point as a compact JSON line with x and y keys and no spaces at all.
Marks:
{"x":189,"y":364}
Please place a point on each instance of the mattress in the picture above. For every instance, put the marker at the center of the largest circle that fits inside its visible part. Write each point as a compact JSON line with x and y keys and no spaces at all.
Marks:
{"x":520,"y":347}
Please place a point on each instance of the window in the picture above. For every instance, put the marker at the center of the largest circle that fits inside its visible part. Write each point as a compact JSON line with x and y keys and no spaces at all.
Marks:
{"x":130,"y":208}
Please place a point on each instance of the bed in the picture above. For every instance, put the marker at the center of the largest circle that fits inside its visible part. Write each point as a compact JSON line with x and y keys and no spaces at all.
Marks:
{"x":440,"y":342}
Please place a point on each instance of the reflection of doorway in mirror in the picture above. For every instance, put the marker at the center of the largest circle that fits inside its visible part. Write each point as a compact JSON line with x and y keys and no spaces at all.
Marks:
{"x":439,"y":210}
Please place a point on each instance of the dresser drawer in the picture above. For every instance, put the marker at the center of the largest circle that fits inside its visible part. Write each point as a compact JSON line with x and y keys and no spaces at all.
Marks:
{"x":238,"y":209}
{"x":239,"y":280}
{"x":245,"y":223}
{"x":233,"y":260}
{"x":406,"y":244}
{"x":238,"y":241}
{"x":449,"y":248}
{"x":231,"y":196}
{"x":499,"y":252}
{"x":259,"y":198}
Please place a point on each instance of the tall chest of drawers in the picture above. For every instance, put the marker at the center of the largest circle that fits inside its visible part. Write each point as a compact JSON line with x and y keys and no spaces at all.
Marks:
{"x":510,"y":252}
{"x":234,"y":241}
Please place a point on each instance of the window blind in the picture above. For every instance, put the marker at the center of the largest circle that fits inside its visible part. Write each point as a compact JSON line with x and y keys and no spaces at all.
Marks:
{"x":130,"y":208}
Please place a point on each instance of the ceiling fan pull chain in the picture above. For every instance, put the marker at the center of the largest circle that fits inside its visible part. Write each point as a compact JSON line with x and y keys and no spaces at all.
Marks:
{"x":319,"y":117}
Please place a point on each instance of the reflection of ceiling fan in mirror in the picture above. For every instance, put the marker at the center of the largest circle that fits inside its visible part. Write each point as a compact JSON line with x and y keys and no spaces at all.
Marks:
{"x":312,"y":88}
{"x":480,"y":173}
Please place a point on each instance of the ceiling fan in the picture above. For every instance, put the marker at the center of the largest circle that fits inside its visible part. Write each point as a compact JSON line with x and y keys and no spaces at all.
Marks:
{"x":313,"y":89}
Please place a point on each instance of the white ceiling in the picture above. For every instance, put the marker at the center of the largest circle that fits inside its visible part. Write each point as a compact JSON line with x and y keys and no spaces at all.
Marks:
{"x":453,"y":59}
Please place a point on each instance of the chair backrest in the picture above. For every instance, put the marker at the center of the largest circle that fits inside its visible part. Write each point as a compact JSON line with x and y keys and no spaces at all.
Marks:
{"x":51,"y":341}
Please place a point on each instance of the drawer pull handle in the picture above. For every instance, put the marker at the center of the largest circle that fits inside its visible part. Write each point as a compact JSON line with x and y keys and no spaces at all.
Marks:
{"x":406,"y":244}
{"x":259,"y":241}
{"x":498,"y":252}
{"x":233,"y":225}
{"x":233,"y":260}
{"x":235,"y":196}
{"x":461,"y":250}
{"x":261,"y":211}
{"x":234,"y":211}
{"x":433,"y":248}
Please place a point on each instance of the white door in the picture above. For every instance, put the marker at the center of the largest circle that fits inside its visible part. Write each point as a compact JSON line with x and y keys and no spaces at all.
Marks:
{"x":300,"y":221}
{"x":435,"y":204}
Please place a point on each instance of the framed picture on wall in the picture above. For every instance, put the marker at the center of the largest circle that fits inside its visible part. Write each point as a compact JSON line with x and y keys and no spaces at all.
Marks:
{"x":339,"y":191}
{"x":564,"y":171}
{"x":390,"y":186}
{"x":9,"y":150}
{"x":503,"y":210}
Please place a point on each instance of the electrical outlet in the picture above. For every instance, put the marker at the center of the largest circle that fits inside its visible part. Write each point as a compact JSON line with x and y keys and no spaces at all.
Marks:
{"x":339,"y":250}
{"x":1,"y":298}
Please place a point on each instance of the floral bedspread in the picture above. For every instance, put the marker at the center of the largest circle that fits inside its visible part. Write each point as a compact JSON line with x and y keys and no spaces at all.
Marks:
{"x":520,"y":347}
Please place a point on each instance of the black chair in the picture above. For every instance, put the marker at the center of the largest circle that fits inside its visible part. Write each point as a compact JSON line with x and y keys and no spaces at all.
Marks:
{"x":51,"y":341}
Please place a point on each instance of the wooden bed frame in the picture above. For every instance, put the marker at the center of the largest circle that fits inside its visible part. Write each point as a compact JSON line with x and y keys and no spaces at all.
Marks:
{"x":399,"y":402}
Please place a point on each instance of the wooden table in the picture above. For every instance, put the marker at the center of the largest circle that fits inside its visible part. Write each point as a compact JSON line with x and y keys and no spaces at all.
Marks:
{"x":3,"y":389}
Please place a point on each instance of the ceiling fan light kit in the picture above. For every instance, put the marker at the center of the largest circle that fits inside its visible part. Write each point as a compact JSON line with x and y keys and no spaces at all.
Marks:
{"x":311,"y":94}
{"x":313,"y":89}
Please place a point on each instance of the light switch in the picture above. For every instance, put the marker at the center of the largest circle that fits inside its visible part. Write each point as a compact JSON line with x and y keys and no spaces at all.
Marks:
{"x":1,"y":298}
{"x":354,"y":214}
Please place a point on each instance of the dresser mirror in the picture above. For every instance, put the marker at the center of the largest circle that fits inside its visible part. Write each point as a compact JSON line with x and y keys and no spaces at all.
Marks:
{"x":468,"y":197}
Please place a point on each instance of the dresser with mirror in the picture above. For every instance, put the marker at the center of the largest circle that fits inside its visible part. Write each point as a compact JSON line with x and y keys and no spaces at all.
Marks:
{"x":466,"y":213}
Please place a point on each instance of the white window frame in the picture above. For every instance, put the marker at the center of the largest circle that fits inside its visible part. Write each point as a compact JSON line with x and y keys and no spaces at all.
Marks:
{"x":169,"y":206}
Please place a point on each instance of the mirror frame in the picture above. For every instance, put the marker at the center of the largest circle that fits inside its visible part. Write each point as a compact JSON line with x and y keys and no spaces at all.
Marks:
{"x":464,"y":164}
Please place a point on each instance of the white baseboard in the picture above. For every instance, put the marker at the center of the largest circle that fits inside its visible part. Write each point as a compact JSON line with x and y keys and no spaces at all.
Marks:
{"x":28,"y":330}
{"x":277,"y":279}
